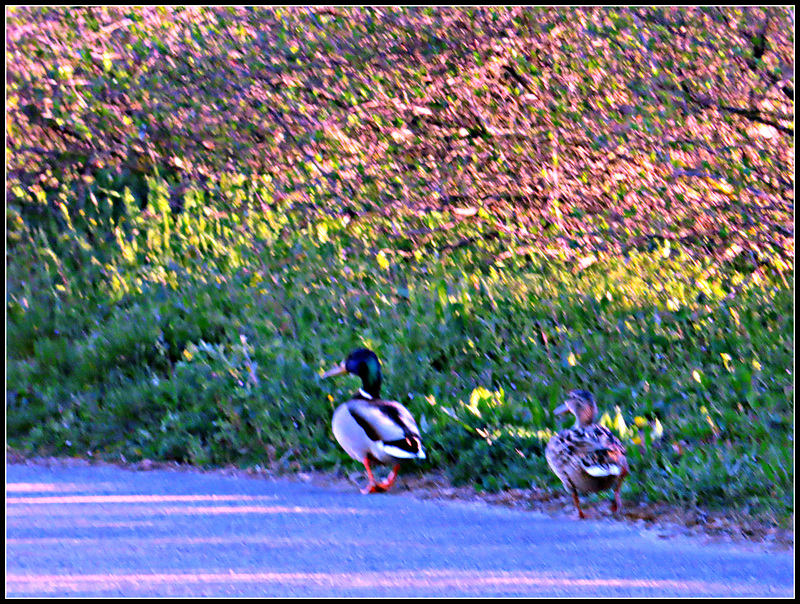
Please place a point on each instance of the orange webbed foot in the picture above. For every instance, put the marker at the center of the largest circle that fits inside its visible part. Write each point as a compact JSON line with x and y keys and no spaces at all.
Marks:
{"x":375,"y":486}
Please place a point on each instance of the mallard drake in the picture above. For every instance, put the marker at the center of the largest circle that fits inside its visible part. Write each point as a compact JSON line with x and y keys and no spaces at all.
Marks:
{"x":370,"y":428}
{"x":587,"y":457}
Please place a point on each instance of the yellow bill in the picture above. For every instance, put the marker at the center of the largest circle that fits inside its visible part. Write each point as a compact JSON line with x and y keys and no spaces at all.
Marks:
{"x":338,"y":370}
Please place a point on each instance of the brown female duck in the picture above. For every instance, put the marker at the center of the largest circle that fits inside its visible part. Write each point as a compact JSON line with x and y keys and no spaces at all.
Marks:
{"x":587,"y":458}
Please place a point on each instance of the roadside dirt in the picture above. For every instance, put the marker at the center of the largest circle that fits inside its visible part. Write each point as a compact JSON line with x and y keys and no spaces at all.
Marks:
{"x":668,"y":521}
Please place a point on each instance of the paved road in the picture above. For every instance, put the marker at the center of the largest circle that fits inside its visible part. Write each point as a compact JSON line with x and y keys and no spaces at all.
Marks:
{"x":106,"y":531}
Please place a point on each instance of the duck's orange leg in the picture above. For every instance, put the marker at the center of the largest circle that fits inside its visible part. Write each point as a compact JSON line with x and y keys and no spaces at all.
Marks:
{"x":387,"y":484}
{"x":616,"y":507}
{"x":372,"y":486}
{"x":577,"y":504}
{"x":375,"y":486}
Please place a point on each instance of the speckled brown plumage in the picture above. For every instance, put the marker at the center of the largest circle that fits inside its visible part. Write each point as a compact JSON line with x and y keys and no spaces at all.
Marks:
{"x":588,"y":458}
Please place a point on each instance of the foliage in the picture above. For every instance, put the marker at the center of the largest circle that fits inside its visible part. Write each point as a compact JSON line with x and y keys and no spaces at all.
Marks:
{"x":208,"y":207}
{"x":593,"y":127}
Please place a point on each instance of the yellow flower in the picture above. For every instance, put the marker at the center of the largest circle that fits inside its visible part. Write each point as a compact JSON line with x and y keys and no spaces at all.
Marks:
{"x":383,"y":261}
{"x":619,"y":424}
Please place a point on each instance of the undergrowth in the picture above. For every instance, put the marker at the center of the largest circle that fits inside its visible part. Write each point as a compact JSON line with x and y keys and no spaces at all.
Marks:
{"x":200,"y":337}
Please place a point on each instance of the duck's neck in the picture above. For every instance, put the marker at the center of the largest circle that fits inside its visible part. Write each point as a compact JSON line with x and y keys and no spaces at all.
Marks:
{"x":371,"y":389}
{"x":584,"y":418}
{"x":371,"y":379}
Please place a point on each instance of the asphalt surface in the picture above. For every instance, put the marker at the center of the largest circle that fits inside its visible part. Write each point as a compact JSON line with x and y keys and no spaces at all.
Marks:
{"x":107,"y":531}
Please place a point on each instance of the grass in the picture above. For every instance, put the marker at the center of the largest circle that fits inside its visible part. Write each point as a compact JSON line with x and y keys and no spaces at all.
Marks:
{"x":141,"y":348}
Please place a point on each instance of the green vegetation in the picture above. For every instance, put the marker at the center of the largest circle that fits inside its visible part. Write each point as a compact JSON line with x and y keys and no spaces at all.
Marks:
{"x":208,"y":207}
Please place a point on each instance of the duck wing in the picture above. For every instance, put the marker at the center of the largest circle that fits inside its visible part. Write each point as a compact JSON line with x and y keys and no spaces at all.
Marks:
{"x":390,"y":423}
{"x":595,"y":449}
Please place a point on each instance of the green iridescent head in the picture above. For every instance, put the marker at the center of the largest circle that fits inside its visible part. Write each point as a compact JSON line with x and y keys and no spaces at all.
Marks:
{"x":365,"y":364}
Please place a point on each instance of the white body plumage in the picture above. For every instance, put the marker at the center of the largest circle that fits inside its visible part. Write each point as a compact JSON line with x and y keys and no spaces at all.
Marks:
{"x":363,"y":427}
